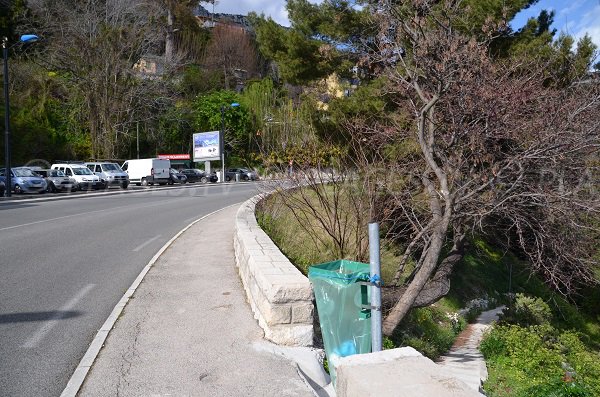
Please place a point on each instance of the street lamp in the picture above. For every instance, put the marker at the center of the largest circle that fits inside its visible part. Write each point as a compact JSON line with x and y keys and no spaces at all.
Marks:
{"x":222,"y":140}
{"x":26,"y":38}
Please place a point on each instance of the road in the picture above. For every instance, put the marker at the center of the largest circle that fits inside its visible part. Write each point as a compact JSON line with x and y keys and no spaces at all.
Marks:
{"x":64,"y":265}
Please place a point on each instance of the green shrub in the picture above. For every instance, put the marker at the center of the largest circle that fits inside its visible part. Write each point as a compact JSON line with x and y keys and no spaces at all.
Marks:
{"x":539,"y":361}
{"x":526,"y":310}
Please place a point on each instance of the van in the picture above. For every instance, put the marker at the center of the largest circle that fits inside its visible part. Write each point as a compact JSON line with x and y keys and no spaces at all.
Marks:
{"x":110,"y":173}
{"x":148,"y":171}
{"x":84,"y":178}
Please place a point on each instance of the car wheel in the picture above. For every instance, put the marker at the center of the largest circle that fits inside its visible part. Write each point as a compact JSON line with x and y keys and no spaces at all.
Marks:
{"x":124,"y":186}
{"x":245,"y":178}
{"x":227,"y":178}
{"x":18,"y":189}
{"x":204,"y":179}
{"x":144,"y":182}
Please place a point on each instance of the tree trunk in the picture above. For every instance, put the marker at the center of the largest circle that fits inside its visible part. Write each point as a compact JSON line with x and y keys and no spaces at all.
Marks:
{"x":416,"y":285}
{"x":169,"y":41}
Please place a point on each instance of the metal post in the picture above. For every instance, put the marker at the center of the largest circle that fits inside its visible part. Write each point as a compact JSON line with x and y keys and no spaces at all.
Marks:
{"x":222,"y":144}
{"x":137,"y":134}
{"x":7,"y":191}
{"x":207,"y":167}
{"x":375,"y":268}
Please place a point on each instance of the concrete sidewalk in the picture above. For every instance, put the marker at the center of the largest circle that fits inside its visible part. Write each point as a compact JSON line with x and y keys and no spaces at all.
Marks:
{"x":189,"y":331}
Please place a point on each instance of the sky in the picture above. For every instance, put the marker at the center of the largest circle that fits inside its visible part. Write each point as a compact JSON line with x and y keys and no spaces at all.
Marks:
{"x":575,"y":17}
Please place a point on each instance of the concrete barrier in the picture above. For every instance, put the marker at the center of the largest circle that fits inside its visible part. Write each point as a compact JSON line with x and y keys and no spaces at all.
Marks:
{"x":279,"y":294}
{"x":397,"y":372}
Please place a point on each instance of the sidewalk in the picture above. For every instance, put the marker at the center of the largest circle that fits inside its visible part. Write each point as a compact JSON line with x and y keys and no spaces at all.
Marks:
{"x":188,"y":330}
{"x":464,"y":360}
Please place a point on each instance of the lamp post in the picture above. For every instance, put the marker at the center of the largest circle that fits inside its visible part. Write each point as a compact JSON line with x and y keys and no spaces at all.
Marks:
{"x":222,"y":140}
{"x":24,"y":39}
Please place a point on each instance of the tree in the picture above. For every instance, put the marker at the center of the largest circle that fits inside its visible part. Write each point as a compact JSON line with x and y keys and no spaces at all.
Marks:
{"x":207,"y":115}
{"x":491,"y":147}
{"x":323,"y":39}
{"x":231,"y":51}
{"x":92,"y":45}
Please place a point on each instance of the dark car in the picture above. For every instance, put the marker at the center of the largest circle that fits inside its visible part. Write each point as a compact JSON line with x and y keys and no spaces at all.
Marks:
{"x":244,"y":174}
{"x":56,"y":180}
{"x":176,"y":177}
{"x":2,"y":186}
{"x":195,"y":175}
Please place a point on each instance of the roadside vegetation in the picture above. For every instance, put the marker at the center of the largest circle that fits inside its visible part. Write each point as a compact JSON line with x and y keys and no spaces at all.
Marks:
{"x":474,"y":145}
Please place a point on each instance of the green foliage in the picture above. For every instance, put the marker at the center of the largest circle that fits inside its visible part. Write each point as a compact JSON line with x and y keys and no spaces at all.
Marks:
{"x":322,"y":38}
{"x":528,"y":311}
{"x":197,"y":80}
{"x":212,"y":110}
{"x":539,"y":361}
{"x":429,"y":330}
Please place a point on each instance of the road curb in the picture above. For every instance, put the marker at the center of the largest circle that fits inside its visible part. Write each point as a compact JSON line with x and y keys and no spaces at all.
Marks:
{"x":93,"y":350}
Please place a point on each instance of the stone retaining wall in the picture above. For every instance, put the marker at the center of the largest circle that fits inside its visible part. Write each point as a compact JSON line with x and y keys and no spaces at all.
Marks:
{"x":279,"y":294}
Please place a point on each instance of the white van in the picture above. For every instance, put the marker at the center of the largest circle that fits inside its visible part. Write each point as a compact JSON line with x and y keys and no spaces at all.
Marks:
{"x":147,"y":171}
{"x":110,"y":173}
{"x":84,"y":178}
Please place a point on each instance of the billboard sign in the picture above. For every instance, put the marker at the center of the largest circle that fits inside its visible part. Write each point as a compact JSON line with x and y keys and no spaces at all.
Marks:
{"x":206,"y":146}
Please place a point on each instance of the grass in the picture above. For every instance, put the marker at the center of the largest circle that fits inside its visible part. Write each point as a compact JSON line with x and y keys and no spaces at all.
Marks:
{"x":485,"y":273}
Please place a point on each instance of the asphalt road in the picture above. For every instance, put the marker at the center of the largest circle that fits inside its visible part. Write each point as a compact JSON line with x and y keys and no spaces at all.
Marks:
{"x":64,"y":265}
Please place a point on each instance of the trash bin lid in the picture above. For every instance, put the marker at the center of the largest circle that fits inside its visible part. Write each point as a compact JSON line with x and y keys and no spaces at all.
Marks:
{"x":343,"y":271}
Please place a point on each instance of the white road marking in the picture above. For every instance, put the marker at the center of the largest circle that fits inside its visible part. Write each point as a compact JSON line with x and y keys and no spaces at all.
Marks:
{"x":139,"y":247}
{"x":44,"y":329}
{"x":84,"y":213}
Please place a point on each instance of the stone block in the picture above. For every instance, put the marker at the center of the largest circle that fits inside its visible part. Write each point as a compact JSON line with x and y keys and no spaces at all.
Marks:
{"x":302,"y":313}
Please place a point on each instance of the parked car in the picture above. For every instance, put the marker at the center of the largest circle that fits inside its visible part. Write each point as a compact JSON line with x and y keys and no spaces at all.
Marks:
{"x":176,"y":177}
{"x":244,"y":174}
{"x":24,"y":180}
{"x":148,"y":171}
{"x":195,"y":175}
{"x":84,"y":178}
{"x":2,"y":186}
{"x":109,"y":173}
{"x":56,"y":180}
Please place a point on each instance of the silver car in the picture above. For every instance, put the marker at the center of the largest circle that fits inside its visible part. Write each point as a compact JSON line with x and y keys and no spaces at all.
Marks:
{"x":24,"y":180}
{"x":56,"y":180}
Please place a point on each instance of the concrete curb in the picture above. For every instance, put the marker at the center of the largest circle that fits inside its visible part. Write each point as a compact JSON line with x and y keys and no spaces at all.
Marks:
{"x":93,"y":350}
{"x":279,"y":294}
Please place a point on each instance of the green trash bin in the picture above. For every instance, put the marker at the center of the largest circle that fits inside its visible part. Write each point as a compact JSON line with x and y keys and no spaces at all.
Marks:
{"x":341,"y":300}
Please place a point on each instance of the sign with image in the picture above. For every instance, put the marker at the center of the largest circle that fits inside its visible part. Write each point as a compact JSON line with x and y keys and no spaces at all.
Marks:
{"x":206,"y":146}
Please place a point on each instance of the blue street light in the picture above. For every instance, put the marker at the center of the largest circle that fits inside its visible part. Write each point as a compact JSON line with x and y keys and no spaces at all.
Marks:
{"x":222,"y":140}
{"x":26,"y":38}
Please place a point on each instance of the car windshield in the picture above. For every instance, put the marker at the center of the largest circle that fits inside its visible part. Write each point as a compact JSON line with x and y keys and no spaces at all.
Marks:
{"x":23,"y":172}
{"x":81,"y":171}
{"x":111,"y":167}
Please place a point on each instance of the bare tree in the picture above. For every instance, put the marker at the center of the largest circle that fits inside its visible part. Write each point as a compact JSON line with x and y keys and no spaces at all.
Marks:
{"x":232,"y":51}
{"x":93,"y":45}
{"x":481,"y":139}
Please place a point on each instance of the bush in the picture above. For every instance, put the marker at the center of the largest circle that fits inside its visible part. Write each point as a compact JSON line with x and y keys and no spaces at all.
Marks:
{"x":539,"y":361}
{"x":527,"y":311}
